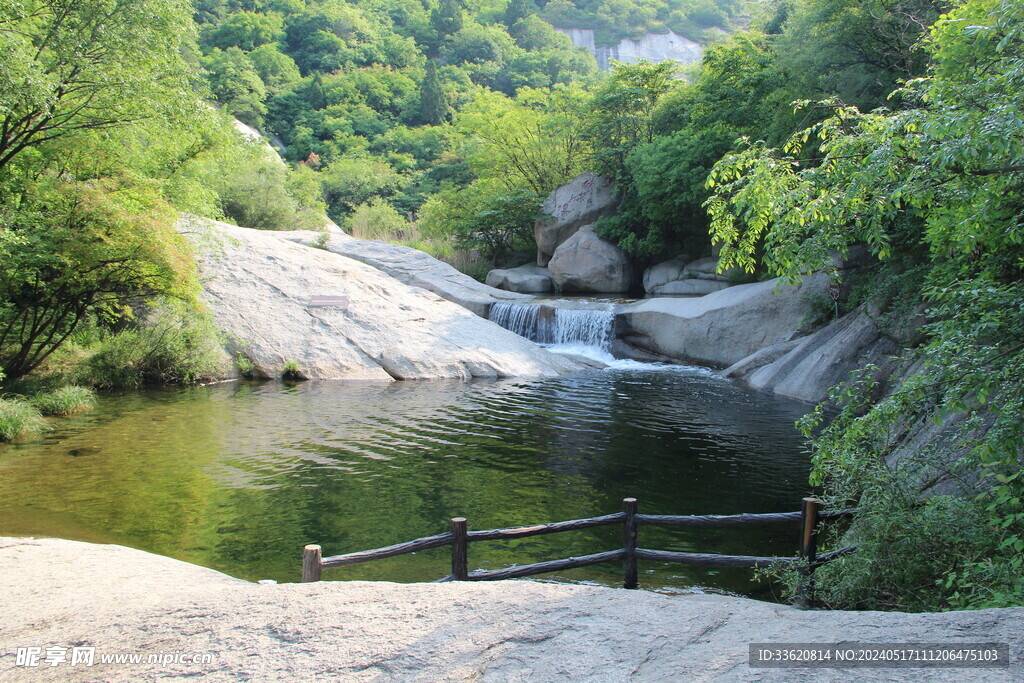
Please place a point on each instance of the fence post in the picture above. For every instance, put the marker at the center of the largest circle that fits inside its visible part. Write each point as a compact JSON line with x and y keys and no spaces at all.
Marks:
{"x":808,"y":551}
{"x":311,"y":556}
{"x":460,"y":554}
{"x":629,"y":543}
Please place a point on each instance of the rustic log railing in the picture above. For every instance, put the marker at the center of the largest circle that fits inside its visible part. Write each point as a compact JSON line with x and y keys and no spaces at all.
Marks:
{"x":459,"y":538}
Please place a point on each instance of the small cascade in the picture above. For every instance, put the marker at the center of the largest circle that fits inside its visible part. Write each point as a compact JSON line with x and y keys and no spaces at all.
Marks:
{"x":545,"y":324}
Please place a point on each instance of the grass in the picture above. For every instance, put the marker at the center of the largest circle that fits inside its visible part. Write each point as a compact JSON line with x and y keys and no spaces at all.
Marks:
{"x":17,"y":417}
{"x":290,"y":370}
{"x":68,"y":400}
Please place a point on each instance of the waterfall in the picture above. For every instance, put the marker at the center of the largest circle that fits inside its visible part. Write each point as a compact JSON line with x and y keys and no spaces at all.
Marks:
{"x":545,"y":324}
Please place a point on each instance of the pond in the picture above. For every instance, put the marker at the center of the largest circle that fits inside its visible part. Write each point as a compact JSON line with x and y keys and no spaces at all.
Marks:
{"x":239,"y":476}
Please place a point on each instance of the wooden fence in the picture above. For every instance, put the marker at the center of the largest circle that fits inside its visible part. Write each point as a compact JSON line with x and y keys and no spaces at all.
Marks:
{"x":459,"y":538}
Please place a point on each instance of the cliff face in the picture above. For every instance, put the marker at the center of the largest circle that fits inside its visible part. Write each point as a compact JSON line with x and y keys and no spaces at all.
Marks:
{"x":654,"y":47}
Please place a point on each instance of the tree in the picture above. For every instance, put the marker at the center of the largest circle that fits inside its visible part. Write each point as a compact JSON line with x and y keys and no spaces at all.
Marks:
{"x":622,"y":112}
{"x":446,"y":18}
{"x":73,"y":66}
{"x":433,"y":106}
{"x":517,"y":10}
{"x":72,"y":249}
{"x":949,"y":167}
{"x":531,"y":143}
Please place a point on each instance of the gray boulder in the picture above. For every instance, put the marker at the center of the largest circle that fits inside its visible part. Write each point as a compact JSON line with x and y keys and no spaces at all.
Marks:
{"x":825,"y":358}
{"x":413,"y":267}
{"x":689,"y":287}
{"x":723,"y":327}
{"x":587,"y":263}
{"x":338,"y":318}
{"x":579,"y":202}
{"x":527,"y":279}
{"x":678,"y":277}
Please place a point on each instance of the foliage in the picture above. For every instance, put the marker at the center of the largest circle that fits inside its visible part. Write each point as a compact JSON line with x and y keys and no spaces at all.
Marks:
{"x":952,"y":163}
{"x":290,"y":370}
{"x":67,"y":400}
{"x":377,"y":220}
{"x":173,"y":345}
{"x":70,"y":67}
{"x":17,"y":417}
{"x":77,"y":247}
{"x":433,"y":106}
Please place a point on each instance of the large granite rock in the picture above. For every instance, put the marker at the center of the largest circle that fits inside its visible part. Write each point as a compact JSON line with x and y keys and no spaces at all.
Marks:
{"x":587,"y":263}
{"x":263,"y":291}
{"x":807,"y":369}
{"x":679,"y":276}
{"x":527,"y":279}
{"x":723,"y":327}
{"x":579,"y":202}
{"x":411,"y":266}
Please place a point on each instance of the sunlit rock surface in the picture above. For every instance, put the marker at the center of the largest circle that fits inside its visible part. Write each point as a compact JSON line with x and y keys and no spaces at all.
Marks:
{"x":337,"y":318}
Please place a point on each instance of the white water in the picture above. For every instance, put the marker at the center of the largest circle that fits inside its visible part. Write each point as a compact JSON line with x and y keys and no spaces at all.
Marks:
{"x":587,"y":332}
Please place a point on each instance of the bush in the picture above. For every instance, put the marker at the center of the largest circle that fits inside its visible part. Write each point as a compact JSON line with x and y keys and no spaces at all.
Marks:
{"x":290,"y":370}
{"x":173,"y":347}
{"x":18,"y":416}
{"x":67,"y":400}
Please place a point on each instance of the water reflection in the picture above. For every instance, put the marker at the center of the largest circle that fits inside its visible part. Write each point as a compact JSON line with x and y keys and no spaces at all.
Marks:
{"x":239,"y":476}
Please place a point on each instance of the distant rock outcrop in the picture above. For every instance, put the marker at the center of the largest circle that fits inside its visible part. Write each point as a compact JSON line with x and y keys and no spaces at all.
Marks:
{"x":527,"y":279}
{"x":579,"y":202}
{"x":653,"y":47}
{"x":587,"y":263}
{"x":337,"y":318}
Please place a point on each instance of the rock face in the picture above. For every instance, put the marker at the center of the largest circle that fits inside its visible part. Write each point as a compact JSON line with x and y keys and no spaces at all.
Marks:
{"x":527,"y":279}
{"x":587,"y":263}
{"x":413,"y":267}
{"x":723,"y":327}
{"x":653,"y":47}
{"x":579,"y":202}
{"x":807,"y":369}
{"x":338,"y":318}
{"x":680,"y":277}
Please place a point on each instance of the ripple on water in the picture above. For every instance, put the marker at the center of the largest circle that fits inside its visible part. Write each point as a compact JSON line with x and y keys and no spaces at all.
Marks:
{"x":239,"y":476}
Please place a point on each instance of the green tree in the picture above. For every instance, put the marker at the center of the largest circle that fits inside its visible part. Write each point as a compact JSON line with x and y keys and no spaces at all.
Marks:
{"x":446,"y":18}
{"x":951,"y":163}
{"x":78,"y":66}
{"x":433,"y":106}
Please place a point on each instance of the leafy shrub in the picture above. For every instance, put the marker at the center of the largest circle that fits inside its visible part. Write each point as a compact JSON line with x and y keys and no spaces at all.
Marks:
{"x":18,"y":416}
{"x":290,"y":370}
{"x":67,"y":400}
{"x":173,"y":347}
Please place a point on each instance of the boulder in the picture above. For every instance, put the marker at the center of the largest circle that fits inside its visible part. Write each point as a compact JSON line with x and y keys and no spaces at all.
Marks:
{"x":528,"y":279}
{"x":690,"y":287}
{"x":824,"y":359}
{"x":579,"y":202}
{"x":411,"y":266}
{"x":587,"y":263}
{"x":663,"y":278}
{"x":723,"y":327}
{"x":337,"y":318}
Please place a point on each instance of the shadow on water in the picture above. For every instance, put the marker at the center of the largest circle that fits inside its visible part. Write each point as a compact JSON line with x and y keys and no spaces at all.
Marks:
{"x":239,"y":477}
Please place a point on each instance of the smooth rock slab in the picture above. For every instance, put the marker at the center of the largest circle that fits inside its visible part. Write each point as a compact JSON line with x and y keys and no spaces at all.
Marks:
{"x":526,"y":279}
{"x":723,"y":327}
{"x":587,"y":263}
{"x":121,"y":600}
{"x":413,"y":267}
{"x":260,"y":286}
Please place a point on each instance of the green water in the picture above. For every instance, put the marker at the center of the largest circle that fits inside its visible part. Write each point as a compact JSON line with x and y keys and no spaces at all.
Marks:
{"x":240,"y":476}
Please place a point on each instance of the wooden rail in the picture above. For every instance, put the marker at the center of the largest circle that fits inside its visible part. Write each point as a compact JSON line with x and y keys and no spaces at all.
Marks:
{"x":459,"y":538}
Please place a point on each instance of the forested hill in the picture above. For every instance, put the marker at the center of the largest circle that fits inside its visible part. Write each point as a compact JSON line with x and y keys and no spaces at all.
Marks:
{"x":361,"y":91}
